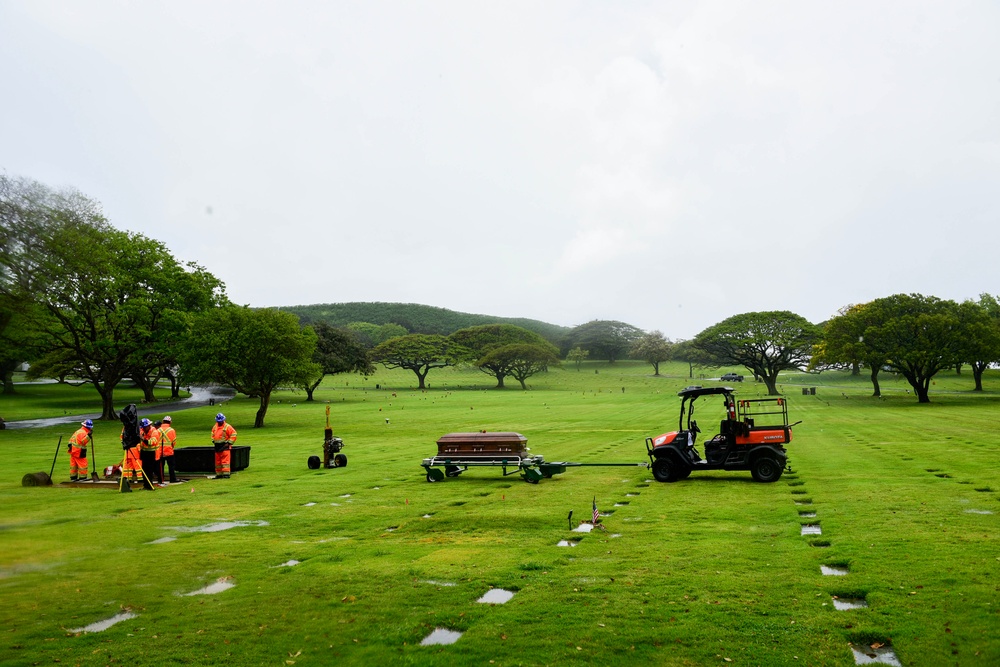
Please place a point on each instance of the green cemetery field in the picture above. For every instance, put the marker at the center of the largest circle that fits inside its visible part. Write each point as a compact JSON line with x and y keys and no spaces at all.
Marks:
{"x":710,"y":570}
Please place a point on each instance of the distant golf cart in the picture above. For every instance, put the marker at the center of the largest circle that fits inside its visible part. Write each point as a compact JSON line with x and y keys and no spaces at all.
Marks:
{"x":751,"y":437}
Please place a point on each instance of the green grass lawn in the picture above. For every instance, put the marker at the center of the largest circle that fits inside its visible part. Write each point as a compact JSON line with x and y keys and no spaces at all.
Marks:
{"x":710,"y":570}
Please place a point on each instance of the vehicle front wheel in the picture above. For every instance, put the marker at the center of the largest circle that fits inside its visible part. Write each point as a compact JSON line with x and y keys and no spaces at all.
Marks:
{"x":664,"y":470}
{"x":766,"y":469}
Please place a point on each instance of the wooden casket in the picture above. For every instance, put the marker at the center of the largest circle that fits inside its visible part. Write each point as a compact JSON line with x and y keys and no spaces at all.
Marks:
{"x":499,"y":444}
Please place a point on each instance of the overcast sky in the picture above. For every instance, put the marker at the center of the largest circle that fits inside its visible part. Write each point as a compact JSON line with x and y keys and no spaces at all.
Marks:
{"x":667,"y":164}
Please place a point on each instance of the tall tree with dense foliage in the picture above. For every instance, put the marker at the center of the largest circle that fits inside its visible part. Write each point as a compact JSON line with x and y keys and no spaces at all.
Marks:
{"x":371,"y":335}
{"x":103,"y":297}
{"x":577,"y":356}
{"x":982,"y":318}
{"x":254,"y":351}
{"x":917,"y":335}
{"x":419,"y":353}
{"x":765,"y":342}
{"x":685,"y":351}
{"x":487,"y":340}
{"x":653,"y":348}
{"x":604,"y":339}
{"x":842,"y":343}
{"x":338,"y":350}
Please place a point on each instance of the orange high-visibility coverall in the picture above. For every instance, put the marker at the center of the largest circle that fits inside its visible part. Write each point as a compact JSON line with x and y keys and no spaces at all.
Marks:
{"x":131,"y":467}
{"x":168,"y":440}
{"x":149,"y":452}
{"x":223,"y":437}
{"x":78,"y":453}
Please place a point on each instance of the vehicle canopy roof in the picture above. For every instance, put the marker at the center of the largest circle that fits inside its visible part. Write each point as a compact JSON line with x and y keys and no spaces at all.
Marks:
{"x":695,"y":391}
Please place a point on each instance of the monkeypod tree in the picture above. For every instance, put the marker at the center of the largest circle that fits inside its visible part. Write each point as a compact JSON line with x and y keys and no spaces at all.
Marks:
{"x":765,"y":342}
{"x":577,"y":356}
{"x":103,"y":299}
{"x":982,"y":321}
{"x":604,"y":339}
{"x":917,"y":336}
{"x":842,"y":343}
{"x":338,"y":350}
{"x":497,"y":348}
{"x":685,"y":351}
{"x":419,"y":353}
{"x":254,"y":351}
{"x":653,"y":348}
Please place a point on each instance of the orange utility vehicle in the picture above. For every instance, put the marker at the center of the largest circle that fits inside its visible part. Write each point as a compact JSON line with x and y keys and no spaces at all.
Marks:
{"x":751,"y":437}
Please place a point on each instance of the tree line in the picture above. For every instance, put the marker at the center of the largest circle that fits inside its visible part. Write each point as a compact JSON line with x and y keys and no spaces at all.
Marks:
{"x":80,"y":298}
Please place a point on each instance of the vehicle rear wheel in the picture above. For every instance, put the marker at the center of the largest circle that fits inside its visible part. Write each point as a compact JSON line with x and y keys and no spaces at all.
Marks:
{"x":434,"y":475}
{"x":340,"y":460}
{"x":766,"y":469}
{"x":664,"y":470}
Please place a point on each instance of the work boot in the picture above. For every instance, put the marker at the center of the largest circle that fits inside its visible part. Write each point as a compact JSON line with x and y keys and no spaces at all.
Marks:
{"x":223,"y":476}
{"x":73,"y":478}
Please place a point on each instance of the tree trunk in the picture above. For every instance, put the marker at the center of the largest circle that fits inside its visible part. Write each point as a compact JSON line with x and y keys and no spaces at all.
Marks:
{"x":856,"y":368}
{"x":958,"y":369}
{"x":107,"y":393}
{"x":656,"y":367}
{"x":265,"y":400}
{"x":8,"y":383}
{"x":500,"y":377}
{"x":420,"y":377}
{"x":523,"y":385}
{"x":144,"y":383}
{"x":690,"y":370}
{"x":977,"y":374}
{"x":311,"y":388}
{"x":771,"y":382}
{"x":875,"y":387}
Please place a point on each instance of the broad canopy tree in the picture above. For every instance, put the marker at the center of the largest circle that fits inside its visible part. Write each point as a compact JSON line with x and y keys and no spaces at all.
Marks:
{"x":604,"y":339}
{"x":842,"y":343}
{"x":982,"y":322}
{"x":254,"y":351}
{"x":338,"y":350}
{"x":101,"y":296}
{"x":766,"y":343}
{"x":419,"y":353}
{"x":502,"y":350}
{"x":654,"y":349}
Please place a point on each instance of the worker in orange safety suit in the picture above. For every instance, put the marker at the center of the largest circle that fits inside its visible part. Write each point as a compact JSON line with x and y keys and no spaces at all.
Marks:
{"x":168,"y":440}
{"x":149,"y":451}
{"x":223,"y":437}
{"x":132,"y":464}
{"x":78,"y":450}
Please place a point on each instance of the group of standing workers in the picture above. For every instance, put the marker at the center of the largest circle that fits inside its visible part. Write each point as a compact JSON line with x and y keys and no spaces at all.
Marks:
{"x":155,"y":450}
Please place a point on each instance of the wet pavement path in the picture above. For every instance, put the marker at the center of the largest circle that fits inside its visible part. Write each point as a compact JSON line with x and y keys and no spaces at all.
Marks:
{"x":199,"y":396}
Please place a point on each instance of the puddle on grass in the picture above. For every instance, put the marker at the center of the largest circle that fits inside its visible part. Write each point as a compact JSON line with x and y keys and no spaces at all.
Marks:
{"x":223,"y":584}
{"x":622,"y":504}
{"x":496,"y":596}
{"x":216,"y":527}
{"x":833,"y":571}
{"x":883,"y":655}
{"x":584,"y":528}
{"x":162,"y":540}
{"x":441,"y":636}
{"x":566,"y":543}
{"x":439,"y":583}
{"x":807,"y":515}
{"x":101,"y":626}
{"x":811,"y":529}
{"x":289,"y":563}
{"x":845,"y":604}
{"x":970,"y":511}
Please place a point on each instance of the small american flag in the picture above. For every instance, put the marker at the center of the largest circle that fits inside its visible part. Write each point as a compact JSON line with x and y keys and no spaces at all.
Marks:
{"x":597,"y":515}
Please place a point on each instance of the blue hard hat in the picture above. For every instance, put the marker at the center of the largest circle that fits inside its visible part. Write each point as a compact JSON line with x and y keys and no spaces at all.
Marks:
{"x":220,"y":417}
{"x":88,"y":423}
{"x":145,"y":423}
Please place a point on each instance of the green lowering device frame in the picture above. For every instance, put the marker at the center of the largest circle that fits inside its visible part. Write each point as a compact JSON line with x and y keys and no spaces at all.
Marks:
{"x":457,"y":452}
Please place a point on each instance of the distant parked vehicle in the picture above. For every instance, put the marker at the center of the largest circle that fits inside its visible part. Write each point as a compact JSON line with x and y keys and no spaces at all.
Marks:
{"x":731,"y":377}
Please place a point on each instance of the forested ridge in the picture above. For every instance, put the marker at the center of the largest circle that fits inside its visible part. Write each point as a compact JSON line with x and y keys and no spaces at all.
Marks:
{"x":416,"y":318}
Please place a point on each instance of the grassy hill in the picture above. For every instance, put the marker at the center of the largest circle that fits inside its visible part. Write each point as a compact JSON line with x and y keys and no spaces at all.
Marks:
{"x":416,"y":318}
